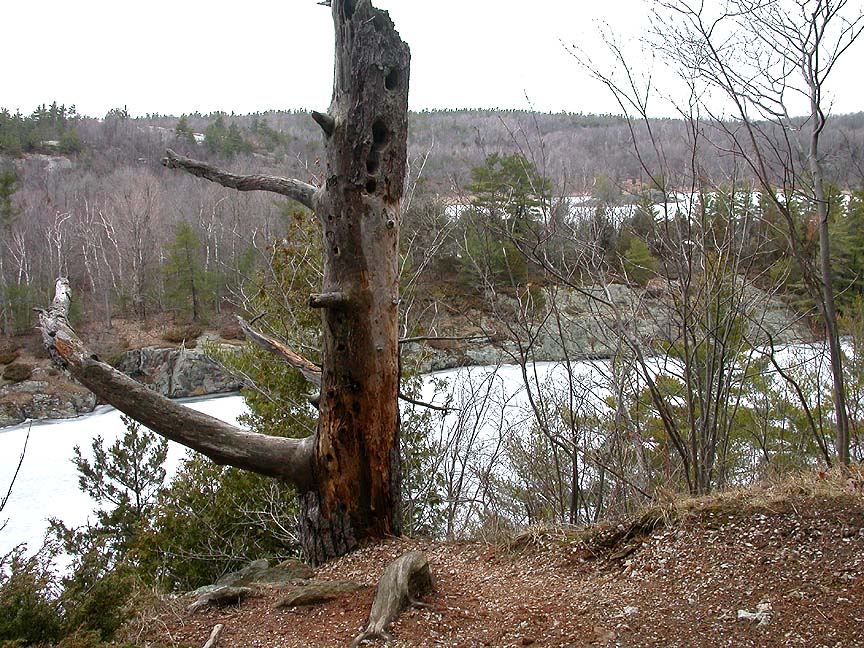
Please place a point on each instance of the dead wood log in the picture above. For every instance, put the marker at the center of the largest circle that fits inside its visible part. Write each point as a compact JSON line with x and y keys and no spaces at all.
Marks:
{"x":403,"y":582}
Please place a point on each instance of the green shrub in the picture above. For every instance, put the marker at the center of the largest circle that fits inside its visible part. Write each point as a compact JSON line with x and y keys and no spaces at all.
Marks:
{"x":8,"y":356}
{"x":212,"y":520}
{"x":17,"y":372}
{"x":95,"y":596}
{"x":29,"y":612}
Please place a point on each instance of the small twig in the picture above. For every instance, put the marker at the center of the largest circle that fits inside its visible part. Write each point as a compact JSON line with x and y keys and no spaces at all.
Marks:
{"x":15,"y":476}
{"x":433,"y":338}
{"x":432,"y":406}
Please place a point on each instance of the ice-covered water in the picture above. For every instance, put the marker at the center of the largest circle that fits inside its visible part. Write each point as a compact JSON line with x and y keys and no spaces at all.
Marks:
{"x":47,"y":484}
{"x":489,"y":404}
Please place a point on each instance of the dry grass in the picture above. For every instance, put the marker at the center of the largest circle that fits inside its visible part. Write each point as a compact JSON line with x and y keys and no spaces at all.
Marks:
{"x":673,"y":510}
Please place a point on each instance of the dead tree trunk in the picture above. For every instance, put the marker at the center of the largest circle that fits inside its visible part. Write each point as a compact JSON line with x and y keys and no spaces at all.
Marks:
{"x":348,"y":473}
{"x":366,"y":132}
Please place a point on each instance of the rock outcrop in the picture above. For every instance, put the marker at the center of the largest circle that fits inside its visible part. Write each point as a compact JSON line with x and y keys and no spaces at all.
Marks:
{"x":581,"y":328}
{"x":584,"y":327}
{"x":41,"y":397}
{"x":178,"y":373}
{"x":173,"y":372}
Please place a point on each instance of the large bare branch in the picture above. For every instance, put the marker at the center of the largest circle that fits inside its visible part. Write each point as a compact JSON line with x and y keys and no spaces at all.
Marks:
{"x":287,"y":459}
{"x":294,"y":189}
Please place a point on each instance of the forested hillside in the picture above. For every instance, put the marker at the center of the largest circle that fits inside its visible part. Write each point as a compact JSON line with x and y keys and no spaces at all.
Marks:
{"x":88,"y":198}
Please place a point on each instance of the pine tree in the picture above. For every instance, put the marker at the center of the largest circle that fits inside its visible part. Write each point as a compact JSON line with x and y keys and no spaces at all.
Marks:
{"x":123,"y":480}
{"x":183,"y":132}
{"x":187,"y":283}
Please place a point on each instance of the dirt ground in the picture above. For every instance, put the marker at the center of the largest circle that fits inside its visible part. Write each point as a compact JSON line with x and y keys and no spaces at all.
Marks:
{"x":766,"y":569}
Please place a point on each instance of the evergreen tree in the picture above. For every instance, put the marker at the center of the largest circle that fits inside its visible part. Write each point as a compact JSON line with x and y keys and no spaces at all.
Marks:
{"x":123,"y":479}
{"x":183,"y":132}
{"x":638,"y":262}
{"x":187,"y":283}
{"x":215,"y":134}
{"x":509,"y":188}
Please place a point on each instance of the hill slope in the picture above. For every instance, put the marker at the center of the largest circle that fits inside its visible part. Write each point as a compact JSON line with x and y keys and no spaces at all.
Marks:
{"x":792,"y":556}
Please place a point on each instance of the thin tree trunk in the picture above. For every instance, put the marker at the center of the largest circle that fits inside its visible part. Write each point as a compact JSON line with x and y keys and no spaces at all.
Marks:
{"x":829,"y":310}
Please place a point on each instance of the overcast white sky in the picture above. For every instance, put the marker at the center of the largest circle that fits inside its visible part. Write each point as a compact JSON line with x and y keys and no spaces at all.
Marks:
{"x":194,"y":55}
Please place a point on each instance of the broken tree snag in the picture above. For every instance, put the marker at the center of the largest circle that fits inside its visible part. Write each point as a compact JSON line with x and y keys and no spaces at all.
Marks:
{"x":328,"y":300}
{"x":326,"y":122}
{"x":404,"y":581}
{"x":294,"y":189}
{"x":309,"y":369}
{"x":358,"y":431}
{"x":287,"y":459}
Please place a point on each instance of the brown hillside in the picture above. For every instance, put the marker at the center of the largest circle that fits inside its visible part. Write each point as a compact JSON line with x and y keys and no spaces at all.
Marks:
{"x":792,"y":554}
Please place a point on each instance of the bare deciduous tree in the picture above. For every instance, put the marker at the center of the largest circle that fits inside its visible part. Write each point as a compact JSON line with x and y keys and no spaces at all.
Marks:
{"x":763,"y":57}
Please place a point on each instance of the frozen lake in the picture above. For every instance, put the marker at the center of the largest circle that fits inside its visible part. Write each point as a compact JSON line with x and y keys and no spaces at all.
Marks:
{"x":489,"y":402}
{"x":489,"y":405}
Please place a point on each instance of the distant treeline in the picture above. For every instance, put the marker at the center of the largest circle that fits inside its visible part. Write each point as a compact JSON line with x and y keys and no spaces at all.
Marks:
{"x":572,"y":149}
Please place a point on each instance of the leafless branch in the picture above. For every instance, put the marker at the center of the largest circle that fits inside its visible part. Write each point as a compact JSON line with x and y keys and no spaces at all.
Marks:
{"x":294,"y":189}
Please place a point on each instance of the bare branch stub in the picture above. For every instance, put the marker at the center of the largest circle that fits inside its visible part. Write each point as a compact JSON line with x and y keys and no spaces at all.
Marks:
{"x":328,"y":300}
{"x":326,"y":122}
{"x":295,"y":189}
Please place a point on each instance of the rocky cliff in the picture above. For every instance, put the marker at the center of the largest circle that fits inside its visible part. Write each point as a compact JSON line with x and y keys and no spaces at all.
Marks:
{"x":177,"y":373}
{"x":585,"y":324}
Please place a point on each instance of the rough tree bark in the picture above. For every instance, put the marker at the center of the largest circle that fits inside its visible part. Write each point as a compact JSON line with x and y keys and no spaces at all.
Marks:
{"x":348,"y":473}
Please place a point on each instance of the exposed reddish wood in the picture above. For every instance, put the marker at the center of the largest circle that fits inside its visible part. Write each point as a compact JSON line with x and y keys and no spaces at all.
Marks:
{"x":309,"y":369}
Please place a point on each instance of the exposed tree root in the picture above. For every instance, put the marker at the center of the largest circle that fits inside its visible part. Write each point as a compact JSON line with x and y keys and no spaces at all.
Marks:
{"x":214,"y":636}
{"x":403,"y":582}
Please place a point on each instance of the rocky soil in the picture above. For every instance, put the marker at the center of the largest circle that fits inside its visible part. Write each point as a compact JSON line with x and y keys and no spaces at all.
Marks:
{"x":779,"y":565}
